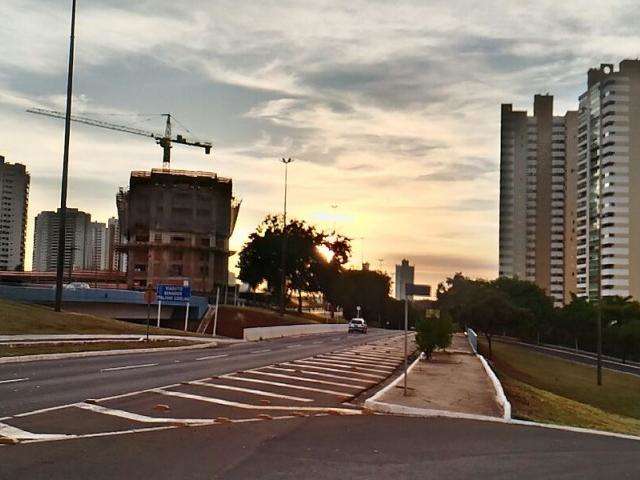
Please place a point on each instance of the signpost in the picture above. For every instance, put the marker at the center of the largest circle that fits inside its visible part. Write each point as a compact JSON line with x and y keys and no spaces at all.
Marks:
{"x":416,"y":290}
{"x":149,"y":297}
{"x":174,"y":293}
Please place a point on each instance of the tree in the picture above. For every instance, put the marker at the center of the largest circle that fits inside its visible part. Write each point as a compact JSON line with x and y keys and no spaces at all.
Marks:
{"x":432,"y":333}
{"x":364,"y":288}
{"x":628,"y":336}
{"x":577,"y":319}
{"x":489,"y":312}
{"x":306,"y":267}
{"x":528,"y":296}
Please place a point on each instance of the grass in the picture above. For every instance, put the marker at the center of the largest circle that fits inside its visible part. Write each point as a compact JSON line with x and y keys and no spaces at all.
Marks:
{"x":21,"y":318}
{"x":11,"y":351}
{"x":549,"y":389}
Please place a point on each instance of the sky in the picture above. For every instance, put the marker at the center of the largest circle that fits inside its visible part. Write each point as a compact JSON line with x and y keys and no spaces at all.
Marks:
{"x":391,"y":110}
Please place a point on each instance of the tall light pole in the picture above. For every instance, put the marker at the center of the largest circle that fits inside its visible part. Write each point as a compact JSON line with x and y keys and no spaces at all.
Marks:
{"x":334,"y":208}
{"x":65,"y":168}
{"x":283,"y":257}
{"x":599,"y":322}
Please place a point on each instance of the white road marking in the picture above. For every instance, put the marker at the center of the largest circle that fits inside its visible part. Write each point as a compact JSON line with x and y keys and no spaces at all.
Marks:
{"x":14,"y":380}
{"x":286,"y":385}
{"x":344,"y":368}
{"x":319,"y":374}
{"x":17,"y":434}
{"x":261,"y":351}
{"x":249,"y":390}
{"x":385,"y":358}
{"x":211,"y":357}
{"x":299,"y":363}
{"x":247,"y":406}
{"x":294,"y":345}
{"x":128,"y":367}
{"x":141,"y":418}
{"x":131,"y":394}
{"x":347,"y":367}
{"x":356,"y":361}
{"x":301,"y":379}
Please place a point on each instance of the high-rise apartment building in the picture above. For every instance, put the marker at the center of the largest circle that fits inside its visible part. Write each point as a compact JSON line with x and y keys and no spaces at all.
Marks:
{"x":115,"y":259}
{"x":77,"y":245}
{"x":608,"y":183}
{"x":14,"y":200}
{"x":404,"y":274}
{"x":97,"y":247}
{"x":536,"y":160}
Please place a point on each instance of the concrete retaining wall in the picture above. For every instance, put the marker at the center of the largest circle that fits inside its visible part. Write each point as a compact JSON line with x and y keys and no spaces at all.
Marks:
{"x":262,"y":333}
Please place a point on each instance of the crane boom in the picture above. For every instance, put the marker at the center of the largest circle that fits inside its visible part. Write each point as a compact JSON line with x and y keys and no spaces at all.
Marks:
{"x":164,"y":141}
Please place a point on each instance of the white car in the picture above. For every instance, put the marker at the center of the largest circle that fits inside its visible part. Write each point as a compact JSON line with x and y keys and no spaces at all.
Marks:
{"x":77,"y":286}
{"x":357,"y":325}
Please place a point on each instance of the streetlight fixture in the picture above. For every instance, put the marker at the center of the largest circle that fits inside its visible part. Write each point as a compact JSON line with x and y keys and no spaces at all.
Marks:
{"x":283,"y":263}
{"x":65,"y":168}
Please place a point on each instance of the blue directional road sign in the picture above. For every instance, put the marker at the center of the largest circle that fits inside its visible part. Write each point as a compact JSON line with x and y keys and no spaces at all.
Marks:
{"x":173,"y":293}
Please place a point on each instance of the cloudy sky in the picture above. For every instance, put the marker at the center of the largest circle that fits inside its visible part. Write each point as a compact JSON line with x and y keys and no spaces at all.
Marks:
{"x":391,"y":109}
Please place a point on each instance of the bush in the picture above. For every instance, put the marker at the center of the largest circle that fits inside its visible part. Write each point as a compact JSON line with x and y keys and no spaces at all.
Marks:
{"x":434,"y":333}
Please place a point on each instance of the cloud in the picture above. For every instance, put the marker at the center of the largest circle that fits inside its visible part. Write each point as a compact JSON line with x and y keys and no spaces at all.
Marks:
{"x":470,"y":169}
{"x":391,"y":109}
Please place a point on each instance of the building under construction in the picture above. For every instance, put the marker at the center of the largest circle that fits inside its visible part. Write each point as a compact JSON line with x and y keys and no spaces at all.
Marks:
{"x":175,"y":225}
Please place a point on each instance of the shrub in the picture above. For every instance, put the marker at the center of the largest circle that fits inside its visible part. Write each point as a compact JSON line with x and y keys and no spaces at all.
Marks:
{"x":434,"y":333}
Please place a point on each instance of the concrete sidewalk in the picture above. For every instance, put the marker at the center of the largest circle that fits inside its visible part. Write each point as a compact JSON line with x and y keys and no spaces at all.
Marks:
{"x":453,"y":382}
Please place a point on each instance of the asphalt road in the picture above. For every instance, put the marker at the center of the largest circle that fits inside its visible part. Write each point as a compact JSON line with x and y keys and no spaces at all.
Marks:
{"x":44,"y":384}
{"x":367,"y":447}
{"x":581,"y":357}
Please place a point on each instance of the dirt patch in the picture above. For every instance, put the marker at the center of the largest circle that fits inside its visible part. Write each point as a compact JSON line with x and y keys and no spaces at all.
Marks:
{"x":233,"y":320}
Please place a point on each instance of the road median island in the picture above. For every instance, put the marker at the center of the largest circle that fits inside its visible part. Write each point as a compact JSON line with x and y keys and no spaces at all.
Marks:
{"x":453,"y":384}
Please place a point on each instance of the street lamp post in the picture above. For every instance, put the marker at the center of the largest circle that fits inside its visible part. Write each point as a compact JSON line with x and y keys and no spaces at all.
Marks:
{"x":65,"y":168}
{"x":283,"y":257}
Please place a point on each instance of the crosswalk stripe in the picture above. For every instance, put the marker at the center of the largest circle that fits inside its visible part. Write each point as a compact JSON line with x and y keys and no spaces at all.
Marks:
{"x":319,"y":374}
{"x":286,"y":385}
{"x":331,"y":367}
{"x":301,"y":379}
{"x":249,"y":390}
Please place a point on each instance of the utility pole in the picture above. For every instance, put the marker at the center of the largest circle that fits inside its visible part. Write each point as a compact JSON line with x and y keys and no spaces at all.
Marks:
{"x":65,"y":167}
{"x":283,"y":258}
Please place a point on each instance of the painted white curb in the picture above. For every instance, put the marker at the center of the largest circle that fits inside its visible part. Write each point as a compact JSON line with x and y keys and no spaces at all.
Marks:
{"x":501,"y":398}
{"x":100,"y":353}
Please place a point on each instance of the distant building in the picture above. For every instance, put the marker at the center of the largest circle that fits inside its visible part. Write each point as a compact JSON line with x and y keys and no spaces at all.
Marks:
{"x":14,"y":201}
{"x":537,"y":197}
{"x":77,"y":240}
{"x":608,"y":187}
{"x":97,"y":247}
{"x":404,"y":274}
{"x":175,"y":226}
{"x":115,"y":258}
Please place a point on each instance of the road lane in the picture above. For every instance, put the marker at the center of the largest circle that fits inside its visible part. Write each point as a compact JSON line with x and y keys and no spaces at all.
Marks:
{"x":73,"y":380}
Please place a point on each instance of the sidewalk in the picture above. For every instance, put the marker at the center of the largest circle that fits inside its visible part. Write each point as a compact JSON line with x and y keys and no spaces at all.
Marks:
{"x":452,"y":382}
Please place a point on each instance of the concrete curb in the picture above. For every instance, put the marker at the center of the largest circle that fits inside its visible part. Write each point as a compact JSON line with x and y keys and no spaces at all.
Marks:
{"x":377,"y":406}
{"x":100,"y":353}
{"x":500,"y":396}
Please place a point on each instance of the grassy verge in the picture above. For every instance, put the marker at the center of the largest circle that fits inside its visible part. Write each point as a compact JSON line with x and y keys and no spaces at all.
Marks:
{"x":552,"y":390}
{"x":12,"y":351}
{"x":21,"y":318}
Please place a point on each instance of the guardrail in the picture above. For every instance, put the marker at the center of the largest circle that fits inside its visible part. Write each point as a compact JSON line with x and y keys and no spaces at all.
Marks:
{"x":473,"y":339}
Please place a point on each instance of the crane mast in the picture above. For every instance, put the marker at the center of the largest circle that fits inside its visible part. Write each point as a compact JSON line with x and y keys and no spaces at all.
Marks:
{"x":165,"y":141}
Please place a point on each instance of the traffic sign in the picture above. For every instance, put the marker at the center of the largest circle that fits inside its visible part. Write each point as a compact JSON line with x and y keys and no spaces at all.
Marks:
{"x":419,"y":290}
{"x":173,"y":293}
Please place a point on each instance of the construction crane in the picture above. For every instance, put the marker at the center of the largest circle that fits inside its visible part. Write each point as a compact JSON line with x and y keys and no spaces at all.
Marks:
{"x":164,"y":141}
